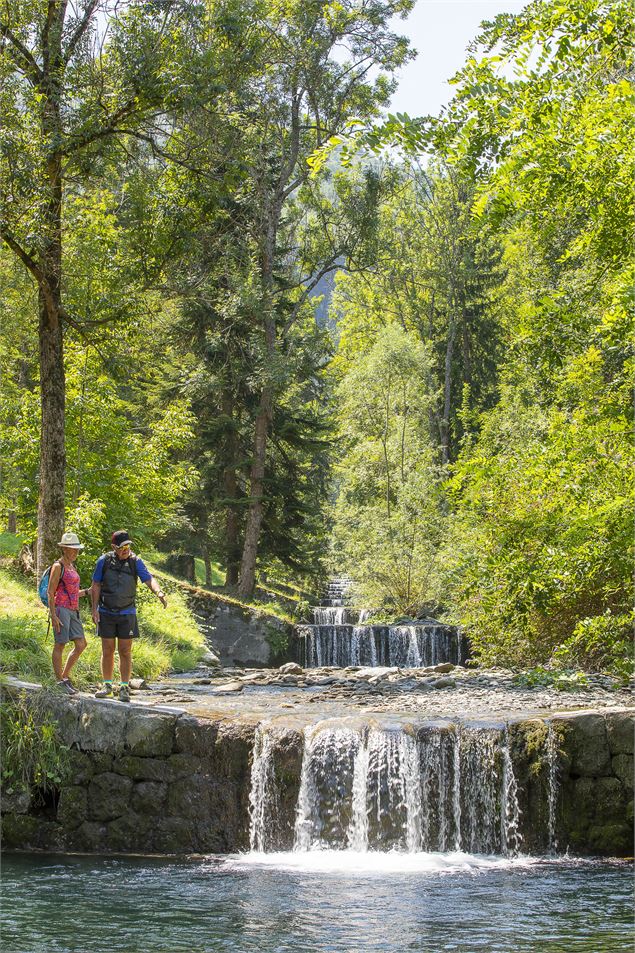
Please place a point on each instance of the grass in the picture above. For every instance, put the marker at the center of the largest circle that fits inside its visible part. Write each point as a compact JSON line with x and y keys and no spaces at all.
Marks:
{"x":169,"y":638}
{"x":159,"y":560}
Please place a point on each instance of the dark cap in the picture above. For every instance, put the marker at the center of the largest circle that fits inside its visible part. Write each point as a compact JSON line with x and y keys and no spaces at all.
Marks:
{"x":120,"y":538}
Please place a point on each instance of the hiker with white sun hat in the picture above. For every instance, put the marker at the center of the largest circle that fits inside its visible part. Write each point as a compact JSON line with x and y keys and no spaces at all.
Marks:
{"x":63,"y":600}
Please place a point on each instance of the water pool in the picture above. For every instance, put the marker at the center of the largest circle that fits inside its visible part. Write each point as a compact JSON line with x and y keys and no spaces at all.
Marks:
{"x":327,"y":902}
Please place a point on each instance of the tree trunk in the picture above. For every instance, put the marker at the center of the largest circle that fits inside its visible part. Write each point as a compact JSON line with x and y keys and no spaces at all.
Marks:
{"x":263,"y":420}
{"x":447,"y":391}
{"x":207,"y":562}
{"x":230,"y":484}
{"x":12,"y":522}
{"x":256,"y":492}
{"x":52,"y":378}
{"x":50,"y":516}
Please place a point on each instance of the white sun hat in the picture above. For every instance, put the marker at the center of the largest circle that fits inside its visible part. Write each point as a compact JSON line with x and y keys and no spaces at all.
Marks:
{"x":70,"y":541}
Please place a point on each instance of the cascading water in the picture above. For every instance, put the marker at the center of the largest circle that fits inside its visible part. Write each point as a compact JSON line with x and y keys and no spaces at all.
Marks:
{"x":407,"y":646}
{"x":339,"y":637}
{"x":384,"y":789}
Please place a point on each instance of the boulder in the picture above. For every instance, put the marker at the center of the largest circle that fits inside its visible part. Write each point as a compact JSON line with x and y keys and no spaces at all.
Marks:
{"x":228,"y":688}
{"x":16,"y":802}
{"x":149,"y":734}
{"x":108,"y":796}
{"x":130,"y":832}
{"x":174,"y":835}
{"x":291,"y":668}
{"x":102,"y":725}
{"x":148,"y":797}
{"x":141,"y":769}
{"x":188,"y":798}
{"x":620,"y":728}
{"x":72,"y":808}
{"x":589,"y":745}
{"x":444,"y":682}
{"x":622,"y":765}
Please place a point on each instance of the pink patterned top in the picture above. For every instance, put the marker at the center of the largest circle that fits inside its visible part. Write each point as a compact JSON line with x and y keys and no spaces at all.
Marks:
{"x":67,"y":592}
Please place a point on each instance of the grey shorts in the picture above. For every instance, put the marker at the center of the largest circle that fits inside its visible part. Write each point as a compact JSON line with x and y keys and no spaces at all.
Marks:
{"x":71,"y":627}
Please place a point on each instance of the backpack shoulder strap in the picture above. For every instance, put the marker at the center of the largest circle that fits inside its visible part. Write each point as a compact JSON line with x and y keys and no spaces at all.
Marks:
{"x":132,"y":562}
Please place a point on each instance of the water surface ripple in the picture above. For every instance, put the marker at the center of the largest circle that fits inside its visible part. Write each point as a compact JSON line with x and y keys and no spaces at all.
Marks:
{"x":326,"y":902}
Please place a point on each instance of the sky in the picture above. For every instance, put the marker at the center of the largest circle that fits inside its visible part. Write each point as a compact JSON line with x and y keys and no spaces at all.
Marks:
{"x":440,"y":31}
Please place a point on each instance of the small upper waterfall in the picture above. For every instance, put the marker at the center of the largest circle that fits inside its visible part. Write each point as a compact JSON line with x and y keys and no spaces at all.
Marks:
{"x":410,"y":789}
{"x":339,"y":637}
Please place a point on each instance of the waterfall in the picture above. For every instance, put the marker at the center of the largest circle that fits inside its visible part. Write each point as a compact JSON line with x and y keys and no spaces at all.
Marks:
{"x":552,"y":786}
{"x":404,"y":646}
{"x":340,"y":636}
{"x":383,"y":789}
{"x":262,"y":795}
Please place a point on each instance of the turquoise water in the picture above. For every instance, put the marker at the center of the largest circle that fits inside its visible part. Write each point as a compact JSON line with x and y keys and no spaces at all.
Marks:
{"x":326,"y":902}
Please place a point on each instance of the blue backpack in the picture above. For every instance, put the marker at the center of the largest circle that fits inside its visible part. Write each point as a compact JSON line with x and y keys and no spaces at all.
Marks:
{"x":43,"y":587}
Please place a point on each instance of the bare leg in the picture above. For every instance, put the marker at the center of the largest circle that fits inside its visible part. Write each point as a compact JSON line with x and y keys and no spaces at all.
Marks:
{"x":78,"y":647}
{"x":107,"y":658}
{"x":58,"y":656}
{"x":125,"y":658}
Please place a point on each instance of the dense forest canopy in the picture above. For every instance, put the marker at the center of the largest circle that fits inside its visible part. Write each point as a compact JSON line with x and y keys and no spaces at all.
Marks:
{"x":180,"y":181}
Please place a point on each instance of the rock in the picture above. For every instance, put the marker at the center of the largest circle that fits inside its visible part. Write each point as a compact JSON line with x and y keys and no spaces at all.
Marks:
{"x":620,"y":730}
{"x":210,"y":658}
{"x":622,"y":765}
{"x":23,"y":831}
{"x":102,"y":725}
{"x":443,"y":667}
{"x":148,"y":797}
{"x":291,"y":668}
{"x":189,"y":797}
{"x":589,"y":745}
{"x":182,"y":765}
{"x":18,"y":802}
{"x":443,"y":683}
{"x":89,"y":836}
{"x":141,"y":769}
{"x":174,"y":835}
{"x":228,"y":688}
{"x":138,"y":684}
{"x":108,"y":796}
{"x":131,"y":829}
{"x":195,"y":737}
{"x":72,"y":808}
{"x":149,"y":734}
{"x":201,"y":681}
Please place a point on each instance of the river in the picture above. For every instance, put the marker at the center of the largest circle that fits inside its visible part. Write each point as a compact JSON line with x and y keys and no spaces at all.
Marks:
{"x":315,"y":902}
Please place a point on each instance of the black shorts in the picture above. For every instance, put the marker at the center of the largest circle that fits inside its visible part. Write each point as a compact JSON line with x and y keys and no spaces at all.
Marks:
{"x":118,"y":626}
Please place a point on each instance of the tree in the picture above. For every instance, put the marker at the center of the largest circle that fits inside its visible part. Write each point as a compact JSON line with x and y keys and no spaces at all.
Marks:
{"x":388,"y":508}
{"x":305,"y":96}
{"x":72,"y":76}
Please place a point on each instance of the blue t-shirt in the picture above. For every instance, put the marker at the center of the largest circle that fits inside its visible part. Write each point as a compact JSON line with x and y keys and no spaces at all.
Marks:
{"x":142,"y":573}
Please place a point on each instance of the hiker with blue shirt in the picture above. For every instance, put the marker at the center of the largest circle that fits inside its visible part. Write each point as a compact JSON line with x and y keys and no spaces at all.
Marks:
{"x":114,"y":594}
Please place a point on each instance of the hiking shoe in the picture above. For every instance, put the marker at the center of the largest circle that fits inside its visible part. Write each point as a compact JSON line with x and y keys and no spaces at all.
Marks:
{"x":66,"y":688}
{"x":71,"y":686}
{"x":105,"y":692}
{"x":124,"y":693}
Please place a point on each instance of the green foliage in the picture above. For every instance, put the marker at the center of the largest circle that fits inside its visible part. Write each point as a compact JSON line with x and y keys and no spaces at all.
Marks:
{"x":601,"y":643}
{"x":387,"y":512}
{"x":562,"y":681}
{"x":31,"y":753}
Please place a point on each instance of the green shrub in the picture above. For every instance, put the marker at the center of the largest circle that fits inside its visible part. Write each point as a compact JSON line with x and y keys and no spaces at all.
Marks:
{"x":32,"y":754}
{"x":601,"y":643}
